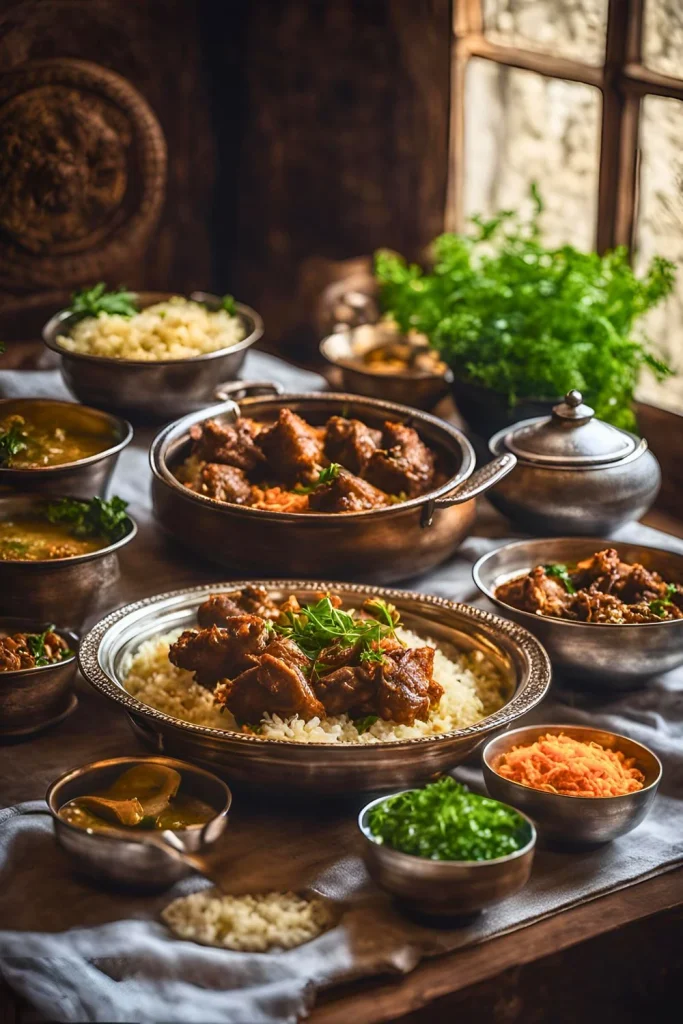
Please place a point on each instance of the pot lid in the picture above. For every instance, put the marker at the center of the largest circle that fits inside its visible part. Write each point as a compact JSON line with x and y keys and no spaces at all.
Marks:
{"x":571,"y":436}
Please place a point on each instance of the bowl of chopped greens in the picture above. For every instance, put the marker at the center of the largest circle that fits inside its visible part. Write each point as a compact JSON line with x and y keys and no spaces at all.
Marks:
{"x":150,"y":355}
{"x":444,"y":851}
{"x":59,"y":556}
{"x":37,"y":666}
{"x":521,"y":323}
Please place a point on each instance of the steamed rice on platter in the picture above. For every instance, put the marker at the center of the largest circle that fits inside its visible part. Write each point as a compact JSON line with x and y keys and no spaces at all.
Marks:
{"x":317,"y":674}
{"x":175,"y":329}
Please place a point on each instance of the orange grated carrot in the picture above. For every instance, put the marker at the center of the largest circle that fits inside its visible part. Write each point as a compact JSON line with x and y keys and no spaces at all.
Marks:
{"x":569,"y":767}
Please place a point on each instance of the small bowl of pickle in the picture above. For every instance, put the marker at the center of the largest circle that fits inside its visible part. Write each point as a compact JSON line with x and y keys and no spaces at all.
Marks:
{"x":378,"y":361}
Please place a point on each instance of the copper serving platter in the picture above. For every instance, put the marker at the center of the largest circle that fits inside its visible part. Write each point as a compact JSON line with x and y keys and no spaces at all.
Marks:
{"x":317,"y":767}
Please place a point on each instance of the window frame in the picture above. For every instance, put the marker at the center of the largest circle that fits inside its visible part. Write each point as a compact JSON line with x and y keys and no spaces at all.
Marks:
{"x":623,"y":81}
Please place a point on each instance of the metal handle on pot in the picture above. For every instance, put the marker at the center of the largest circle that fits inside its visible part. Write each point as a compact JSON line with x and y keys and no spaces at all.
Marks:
{"x":236,"y":389}
{"x":480,"y":481}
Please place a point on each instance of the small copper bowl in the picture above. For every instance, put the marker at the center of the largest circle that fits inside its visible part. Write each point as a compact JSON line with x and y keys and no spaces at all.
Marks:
{"x":418,"y":389}
{"x":130,"y":859}
{"x":58,"y":589}
{"x":32,"y":699}
{"x":80,"y":479}
{"x":574,"y":821}
{"x":445,"y":888}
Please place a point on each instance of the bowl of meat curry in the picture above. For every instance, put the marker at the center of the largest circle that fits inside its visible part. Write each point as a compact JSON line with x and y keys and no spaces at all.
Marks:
{"x":51,"y":447}
{"x":317,"y":687}
{"x":609,"y":613}
{"x":318,"y":484}
{"x":37,"y":666}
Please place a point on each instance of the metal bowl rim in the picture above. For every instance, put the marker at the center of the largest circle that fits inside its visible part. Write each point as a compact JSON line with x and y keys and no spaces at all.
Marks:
{"x":564,"y":796}
{"x":107,"y":762}
{"x":409,"y":859}
{"x":244,"y":311}
{"x":74,"y":641}
{"x":126,"y":430}
{"x":89,"y":556}
{"x":537,"y":685}
{"x":532,"y":617}
{"x":157,"y":459}
{"x":422,"y":375}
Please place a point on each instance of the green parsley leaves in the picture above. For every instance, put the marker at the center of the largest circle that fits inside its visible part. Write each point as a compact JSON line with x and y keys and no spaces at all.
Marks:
{"x":444,"y":821}
{"x":96,"y":300}
{"x":561,"y":572}
{"x":93,"y":518}
{"x":530,"y":321}
{"x":12,"y":441}
{"x":659,"y":606}
{"x":321,"y":625}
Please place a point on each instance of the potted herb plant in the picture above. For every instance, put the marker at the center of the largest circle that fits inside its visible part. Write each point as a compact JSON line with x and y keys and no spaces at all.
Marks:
{"x":520,"y":324}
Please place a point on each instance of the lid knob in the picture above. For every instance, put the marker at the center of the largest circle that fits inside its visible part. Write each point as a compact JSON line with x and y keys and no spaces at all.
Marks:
{"x":573,"y":408}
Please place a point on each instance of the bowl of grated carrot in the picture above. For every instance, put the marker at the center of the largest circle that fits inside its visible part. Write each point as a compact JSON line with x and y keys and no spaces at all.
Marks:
{"x":580,"y":786}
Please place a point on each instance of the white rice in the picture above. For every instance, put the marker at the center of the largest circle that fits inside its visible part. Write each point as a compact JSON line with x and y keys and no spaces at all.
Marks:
{"x":176,"y":329}
{"x":473,"y":689}
{"x":250,"y":924}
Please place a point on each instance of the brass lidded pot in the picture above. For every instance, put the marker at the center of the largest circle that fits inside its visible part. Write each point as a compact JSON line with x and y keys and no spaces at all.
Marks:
{"x":575,"y":474}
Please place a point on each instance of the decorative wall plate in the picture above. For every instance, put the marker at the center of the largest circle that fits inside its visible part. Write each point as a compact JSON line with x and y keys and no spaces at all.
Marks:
{"x":82,"y":174}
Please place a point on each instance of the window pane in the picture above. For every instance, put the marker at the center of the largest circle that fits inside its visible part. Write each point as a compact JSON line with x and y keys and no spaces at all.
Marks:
{"x":564,"y":28}
{"x":660,"y":232}
{"x":663,"y":36}
{"x":521,"y":127}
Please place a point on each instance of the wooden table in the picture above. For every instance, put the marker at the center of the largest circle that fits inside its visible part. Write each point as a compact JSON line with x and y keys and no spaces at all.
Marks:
{"x":621,"y":950}
{"x":615,"y":957}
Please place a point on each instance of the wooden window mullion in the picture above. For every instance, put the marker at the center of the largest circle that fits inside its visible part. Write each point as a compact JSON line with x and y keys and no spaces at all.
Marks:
{"x":619,"y":135}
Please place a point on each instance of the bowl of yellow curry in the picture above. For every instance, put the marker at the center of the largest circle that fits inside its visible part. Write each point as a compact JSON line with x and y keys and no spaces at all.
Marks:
{"x":53,"y":448}
{"x":58,"y":556}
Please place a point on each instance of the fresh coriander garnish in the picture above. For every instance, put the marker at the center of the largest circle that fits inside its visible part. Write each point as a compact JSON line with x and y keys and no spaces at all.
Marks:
{"x":17,"y":547}
{"x":561,"y":573}
{"x":229,"y":305}
{"x":321,"y":625}
{"x":93,"y":518}
{"x":36,"y":645}
{"x":659,"y":606}
{"x":444,"y":821}
{"x":12,"y":441}
{"x":363,"y":724}
{"x":96,"y":300}
{"x":326,"y":476}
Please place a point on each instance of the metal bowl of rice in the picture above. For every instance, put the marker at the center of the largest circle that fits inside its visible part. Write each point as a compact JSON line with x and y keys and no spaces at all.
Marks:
{"x":492,"y":671}
{"x":162,"y":363}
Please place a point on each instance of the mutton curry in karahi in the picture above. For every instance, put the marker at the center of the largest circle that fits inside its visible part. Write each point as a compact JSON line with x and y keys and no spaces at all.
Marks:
{"x":260,"y":656}
{"x":292,"y":466}
{"x":600,"y":589}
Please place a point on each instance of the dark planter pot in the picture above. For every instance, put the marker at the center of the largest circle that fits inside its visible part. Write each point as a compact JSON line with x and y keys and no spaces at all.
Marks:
{"x":486,"y":411}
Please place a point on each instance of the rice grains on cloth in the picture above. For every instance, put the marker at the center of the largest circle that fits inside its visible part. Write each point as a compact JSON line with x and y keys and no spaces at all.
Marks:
{"x":569,"y":767}
{"x":255,"y":923}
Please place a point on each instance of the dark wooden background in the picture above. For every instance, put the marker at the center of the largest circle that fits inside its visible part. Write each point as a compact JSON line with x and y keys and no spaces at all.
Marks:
{"x":298,"y":133}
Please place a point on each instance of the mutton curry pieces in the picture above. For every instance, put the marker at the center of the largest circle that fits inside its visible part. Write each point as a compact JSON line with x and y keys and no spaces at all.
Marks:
{"x":260,"y":656}
{"x":600,"y":589}
{"x":291,"y":466}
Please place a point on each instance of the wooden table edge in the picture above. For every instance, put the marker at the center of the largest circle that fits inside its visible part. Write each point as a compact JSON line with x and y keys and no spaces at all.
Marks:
{"x":385,"y":998}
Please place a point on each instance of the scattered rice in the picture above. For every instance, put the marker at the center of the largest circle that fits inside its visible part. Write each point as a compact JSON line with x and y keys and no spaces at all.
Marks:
{"x":473,"y":689}
{"x":175,"y":329}
{"x":251,"y":924}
